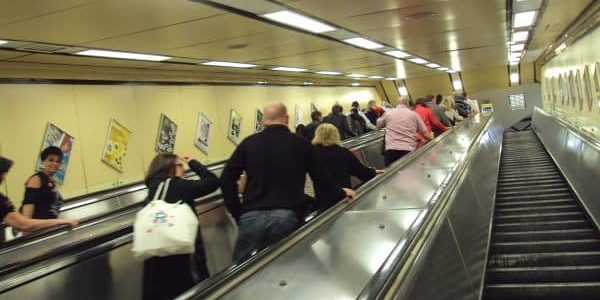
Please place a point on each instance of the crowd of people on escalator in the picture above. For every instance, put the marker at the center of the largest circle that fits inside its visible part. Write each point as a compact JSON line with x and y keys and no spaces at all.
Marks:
{"x":263,"y":182}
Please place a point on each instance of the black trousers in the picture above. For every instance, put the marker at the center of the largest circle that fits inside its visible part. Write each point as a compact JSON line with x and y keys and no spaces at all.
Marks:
{"x":391,"y":156}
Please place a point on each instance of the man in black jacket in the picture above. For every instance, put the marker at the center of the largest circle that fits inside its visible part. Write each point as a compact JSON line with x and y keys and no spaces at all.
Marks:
{"x":317,"y":119}
{"x":337,"y":119}
{"x":276,"y":162}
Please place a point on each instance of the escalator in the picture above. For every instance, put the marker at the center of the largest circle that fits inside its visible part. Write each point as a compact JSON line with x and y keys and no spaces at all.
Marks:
{"x":543,"y":244}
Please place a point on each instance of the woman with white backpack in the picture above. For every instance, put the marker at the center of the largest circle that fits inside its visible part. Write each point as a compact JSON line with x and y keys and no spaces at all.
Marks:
{"x":166,"y":220}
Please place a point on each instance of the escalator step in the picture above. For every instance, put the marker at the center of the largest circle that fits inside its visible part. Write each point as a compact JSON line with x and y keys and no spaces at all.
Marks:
{"x":546,"y":246}
{"x":578,"y":258}
{"x":545,"y":291}
{"x":559,"y":195}
{"x":525,"y":217}
{"x":545,"y":235}
{"x":525,"y":187}
{"x":530,"y":179}
{"x":510,"y":204}
{"x":534,"y":191}
{"x":544,"y":274}
{"x":538,"y":209}
{"x":552,"y":225}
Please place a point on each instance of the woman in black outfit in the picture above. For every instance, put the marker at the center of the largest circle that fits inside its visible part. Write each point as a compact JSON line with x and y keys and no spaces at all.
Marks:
{"x":42,"y":200}
{"x":338,"y":161}
{"x":167,"y":277}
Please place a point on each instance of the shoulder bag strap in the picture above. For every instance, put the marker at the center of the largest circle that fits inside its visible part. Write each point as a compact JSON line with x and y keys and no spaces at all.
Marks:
{"x":158,"y":191}
{"x":165,"y":189}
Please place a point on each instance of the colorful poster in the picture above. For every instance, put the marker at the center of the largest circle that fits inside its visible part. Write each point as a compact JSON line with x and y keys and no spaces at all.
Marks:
{"x":313,"y":108}
{"x":167,"y":132}
{"x":258,"y":127}
{"x":299,"y":116}
{"x":55,"y":136}
{"x":202,"y":133}
{"x":235,"y":124}
{"x":115,"y":146}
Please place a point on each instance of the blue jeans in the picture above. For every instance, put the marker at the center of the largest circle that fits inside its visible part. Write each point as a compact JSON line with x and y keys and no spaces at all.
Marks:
{"x":260,"y":228}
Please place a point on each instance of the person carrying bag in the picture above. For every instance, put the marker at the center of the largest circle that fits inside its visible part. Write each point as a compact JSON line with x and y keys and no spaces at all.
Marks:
{"x":166,"y":231}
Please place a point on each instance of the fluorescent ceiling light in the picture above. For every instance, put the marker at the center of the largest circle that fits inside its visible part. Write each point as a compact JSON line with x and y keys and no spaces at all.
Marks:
{"x":363,"y":43}
{"x":514,"y":55}
{"x":391,"y":78}
{"x":432,"y":65}
{"x":560,"y":48}
{"x":520,"y":36}
{"x":300,"y":21}
{"x":524,"y":19}
{"x":308,"y":83}
{"x":228,"y":64}
{"x":418,"y":61}
{"x":514,"y":77}
{"x":398,"y":54}
{"x":288,"y":69}
{"x":123,"y":55}
{"x":513,"y":62}
{"x":355,"y":84}
{"x":3,"y":42}
{"x":329,"y":73}
{"x":457,"y":85}
{"x":375,"y":77}
{"x":443,"y":69}
{"x":262,"y":82}
{"x":517,"y":47}
{"x":403,"y":91}
{"x":451,"y":71}
{"x":356,"y":75}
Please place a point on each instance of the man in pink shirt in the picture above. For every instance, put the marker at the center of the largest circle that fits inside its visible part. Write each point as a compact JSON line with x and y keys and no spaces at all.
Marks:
{"x":402,"y":125}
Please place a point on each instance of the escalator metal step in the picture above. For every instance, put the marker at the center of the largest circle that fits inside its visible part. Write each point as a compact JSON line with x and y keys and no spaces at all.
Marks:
{"x":530,"y":179}
{"x":544,"y":274}
{"x":538,"y":209}
{"x":543,"y":225}
{"x":545,"y":291}
{"x":578,"y":258}
{"x":562,"y":195}
{"x":545,"y":235}
{"x":526,"y":174}
{"x":510,"y":204}
{"x":527,"y":188}
{"x":546,"y":246}
{"x":532,"y":191}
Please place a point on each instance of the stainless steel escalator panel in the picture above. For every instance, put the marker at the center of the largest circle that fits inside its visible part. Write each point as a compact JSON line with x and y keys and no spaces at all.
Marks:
{"x":412,"y":187}
{"x":333,"y":263}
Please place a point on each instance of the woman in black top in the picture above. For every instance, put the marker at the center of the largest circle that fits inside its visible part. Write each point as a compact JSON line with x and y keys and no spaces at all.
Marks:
{"x":167,"y":277}
{"x":17,"y":220}
{"x":42,"y":200}
{"x":339,"y":162}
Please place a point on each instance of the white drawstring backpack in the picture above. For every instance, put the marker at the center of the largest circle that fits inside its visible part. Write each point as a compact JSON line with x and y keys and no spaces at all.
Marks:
{"x":164,"y":229}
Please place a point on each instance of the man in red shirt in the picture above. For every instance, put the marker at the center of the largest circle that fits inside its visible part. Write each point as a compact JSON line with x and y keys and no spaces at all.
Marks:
{"x":428,"y":118}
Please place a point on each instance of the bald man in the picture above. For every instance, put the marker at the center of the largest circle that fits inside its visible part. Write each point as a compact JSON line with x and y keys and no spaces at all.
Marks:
{"x":402,"y":125}
{"x":276,"y":162}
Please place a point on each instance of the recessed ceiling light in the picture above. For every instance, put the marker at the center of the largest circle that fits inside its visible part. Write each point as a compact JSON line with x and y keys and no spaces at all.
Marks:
{"x":457,"y":85}
{"x":517,"y":47}
{"x":513,"y":62}
{"x":307,"y":83}
{"x":288,"y":69}
{"x":520,"y":36}
{"x":227,"y":64}
{"x":356,"y":75}
{"x":329,"y":73}
{"x":375,"y":77}
{"x":355,"y":84}
{"x":418,"y":61}
{"x":3,"y":42}
{"x":514,"y":77}
{"x":443,"y":69}
{"x":123,"y":55}
{"x":300,"y":21}
{"x":363,"y":43}
{"x":398,"y":54}
{"x":403,"y":91}
{"x":514,"y":55}
{"x":391,"y":78}
{"x":262,"y":82}
{"x":560,"y":48}
{"x":451,"y":71}
{"x":524,"y":19}
{"x":432,"y":65}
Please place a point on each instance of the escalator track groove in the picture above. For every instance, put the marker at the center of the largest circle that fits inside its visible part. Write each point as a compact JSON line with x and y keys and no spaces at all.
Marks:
{"x":543,"y":244}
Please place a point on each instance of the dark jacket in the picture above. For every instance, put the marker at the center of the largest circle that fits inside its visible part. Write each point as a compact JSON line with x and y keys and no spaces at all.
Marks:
{"x":46,"y":200}
{"x":184,"y":189}
{"x":340,"y":164}
{"x":372,"y":116}
{"x":276,"y":162}
{"x":309,"y":131}
{"x":341,"y":122}
{"x":462,"y":107}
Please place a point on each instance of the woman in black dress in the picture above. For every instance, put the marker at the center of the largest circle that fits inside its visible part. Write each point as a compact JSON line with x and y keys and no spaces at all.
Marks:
{"x":167,"y":277}
{"x":42,"y":200}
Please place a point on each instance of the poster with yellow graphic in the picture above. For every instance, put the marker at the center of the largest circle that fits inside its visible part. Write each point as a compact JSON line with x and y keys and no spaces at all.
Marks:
{"x":115,"y":147}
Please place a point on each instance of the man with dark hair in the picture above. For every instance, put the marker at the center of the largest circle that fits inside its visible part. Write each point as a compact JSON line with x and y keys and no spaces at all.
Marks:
{"x":373,"y":112}
{"x":317,"y":119}
{"x":276,"y":162}
{"x":337,"y":119}
{"x":440,"y":113}
{"x":462,"y":107}
{"x":369,"y":126}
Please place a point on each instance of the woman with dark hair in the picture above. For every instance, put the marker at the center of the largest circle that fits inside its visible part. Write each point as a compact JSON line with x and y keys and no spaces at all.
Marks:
{"x":42,"y":200}
{"x":301,"y":131}
{"x":17,"y":220}
{"x":166,"y":277}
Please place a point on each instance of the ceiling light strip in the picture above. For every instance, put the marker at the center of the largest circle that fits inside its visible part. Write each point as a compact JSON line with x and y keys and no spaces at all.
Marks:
{"x":123,"y":55}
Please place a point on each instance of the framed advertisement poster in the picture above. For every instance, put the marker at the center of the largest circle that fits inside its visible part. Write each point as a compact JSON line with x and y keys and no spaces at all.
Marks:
{"x":167,"y":132}
{"x":57,"y":137}
{"x":258,"y":127}
{"x":299,"y":116}
{"x":115,"y":146}
{"x":313,"y":108}
{"x":202,"y":133}
{"x":235,"y":124}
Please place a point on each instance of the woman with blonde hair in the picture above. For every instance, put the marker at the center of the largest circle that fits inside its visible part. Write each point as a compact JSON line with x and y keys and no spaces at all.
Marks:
{"x":339,"y":162}
{"x":451,"y":113}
